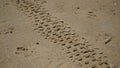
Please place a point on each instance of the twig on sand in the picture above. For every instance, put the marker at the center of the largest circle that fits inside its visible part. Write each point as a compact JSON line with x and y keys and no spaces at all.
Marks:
{"x":107,"y":40}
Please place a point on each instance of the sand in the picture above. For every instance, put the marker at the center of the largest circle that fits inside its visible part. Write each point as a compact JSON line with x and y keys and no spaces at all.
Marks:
{"x":59,"y":34}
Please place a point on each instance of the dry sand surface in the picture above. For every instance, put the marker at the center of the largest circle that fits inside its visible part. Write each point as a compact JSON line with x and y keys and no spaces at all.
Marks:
{"x":59,"y":33}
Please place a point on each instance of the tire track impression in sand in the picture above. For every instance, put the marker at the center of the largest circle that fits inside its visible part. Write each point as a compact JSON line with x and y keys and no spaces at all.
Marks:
{"x":77,"y":50}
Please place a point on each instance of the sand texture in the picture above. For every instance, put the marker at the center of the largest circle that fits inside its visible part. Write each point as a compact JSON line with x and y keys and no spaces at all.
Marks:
{"x":59,"y":34}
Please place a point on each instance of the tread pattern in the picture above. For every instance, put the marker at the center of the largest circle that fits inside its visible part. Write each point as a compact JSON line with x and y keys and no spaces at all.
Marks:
{"x":57,"y":31}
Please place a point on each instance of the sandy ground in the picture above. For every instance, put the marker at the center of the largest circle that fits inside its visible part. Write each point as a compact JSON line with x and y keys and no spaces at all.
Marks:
{"x":59,"y":34}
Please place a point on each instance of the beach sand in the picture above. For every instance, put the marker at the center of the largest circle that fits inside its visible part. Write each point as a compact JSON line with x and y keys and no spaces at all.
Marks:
{"x":59,"y":34}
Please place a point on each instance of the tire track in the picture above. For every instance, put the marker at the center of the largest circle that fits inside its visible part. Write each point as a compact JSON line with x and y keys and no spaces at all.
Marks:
{"x":76,"y":49}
